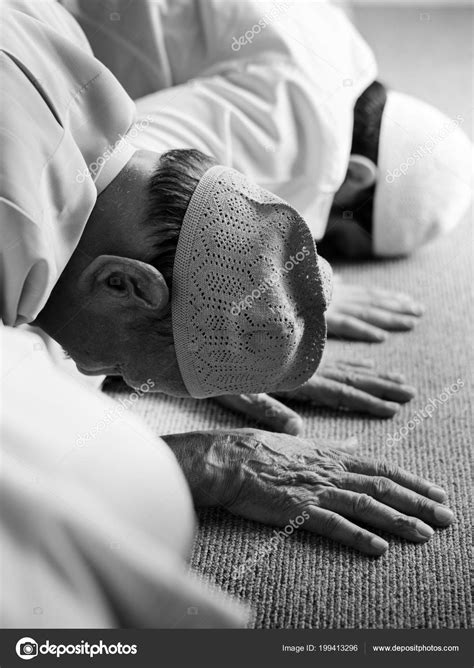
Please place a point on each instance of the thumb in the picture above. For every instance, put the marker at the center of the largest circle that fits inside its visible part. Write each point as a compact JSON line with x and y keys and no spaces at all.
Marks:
{"x":265,"y":410}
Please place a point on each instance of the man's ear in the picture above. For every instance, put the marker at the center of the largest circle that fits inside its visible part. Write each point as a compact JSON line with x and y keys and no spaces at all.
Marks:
{"x":361,"y":173}
{"x":125,"y":282}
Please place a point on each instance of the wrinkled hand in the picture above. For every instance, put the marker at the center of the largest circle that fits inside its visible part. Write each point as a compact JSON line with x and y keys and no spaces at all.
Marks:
{"x":354,"y":386}
{"x":279,"y":479}
{"x":366,"y":314}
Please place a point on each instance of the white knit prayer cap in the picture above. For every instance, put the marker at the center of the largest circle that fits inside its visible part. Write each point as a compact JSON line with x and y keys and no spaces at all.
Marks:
{"x":249,"y":291}
{"x":425,"y":178}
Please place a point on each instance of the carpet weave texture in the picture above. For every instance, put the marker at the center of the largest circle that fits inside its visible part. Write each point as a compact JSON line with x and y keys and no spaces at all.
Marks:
{"x":310,"y":582}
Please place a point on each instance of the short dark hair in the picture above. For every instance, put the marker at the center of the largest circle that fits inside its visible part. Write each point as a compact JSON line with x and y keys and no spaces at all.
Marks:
{"x":368,"y":113}
{"x":171,"y":187}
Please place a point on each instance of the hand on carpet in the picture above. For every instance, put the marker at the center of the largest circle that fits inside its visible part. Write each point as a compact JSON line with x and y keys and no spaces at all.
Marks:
{"x":283,"y":480}
{"x":365,"y":313}
{"x":355,"y":386}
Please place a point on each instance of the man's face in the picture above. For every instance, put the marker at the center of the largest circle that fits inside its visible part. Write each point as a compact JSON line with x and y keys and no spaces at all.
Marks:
{"x":102,"y":344}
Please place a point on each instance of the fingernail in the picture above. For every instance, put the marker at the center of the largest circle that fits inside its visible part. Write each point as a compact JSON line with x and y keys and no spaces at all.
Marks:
{"x":396,"y":377}
{"x":380,"y":337}
{"x":443,"y":514}
{"x":379,"y":544}
{"x":393,"y":406}
{"x":293,"y":426}
{"x":437,"y":494}
{"x":424,"y":530}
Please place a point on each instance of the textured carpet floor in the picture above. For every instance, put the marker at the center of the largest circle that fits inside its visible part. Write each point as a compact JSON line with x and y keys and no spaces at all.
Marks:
{"x":307,"y":581}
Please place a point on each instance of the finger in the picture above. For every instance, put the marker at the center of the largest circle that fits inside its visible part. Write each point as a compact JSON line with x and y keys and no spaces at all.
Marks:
{"x":327,"y":392}
{"x":387,"y":320}
{"x":348,"y":327}
{"x":395,"y":377}
{"x":396,"y":301}
{"x":333,"y":526}
{"x":385,"y":299}
{"x":400,"y":301}
{"x":398,"y":475}
{"x":348,"y":445}
{"x":361,"y":363}
{"x":377,"y":387}
{"x":399,"y":497}
{"x":364,"y":508}
{"x":368,"y":369}
{"x":265,"y":410}
{"x":407,"y":308}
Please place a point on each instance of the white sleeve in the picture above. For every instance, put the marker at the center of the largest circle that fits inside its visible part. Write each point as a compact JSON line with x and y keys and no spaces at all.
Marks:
{"x":61,"y":361}
{"x":278,"y":107}
{"x":267,"y":87}
{"x":263,"y":121}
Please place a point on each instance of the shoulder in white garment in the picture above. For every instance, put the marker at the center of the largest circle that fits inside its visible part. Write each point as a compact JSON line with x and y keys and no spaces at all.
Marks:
{"x":268,"y":90}
{"x":64,"y":115}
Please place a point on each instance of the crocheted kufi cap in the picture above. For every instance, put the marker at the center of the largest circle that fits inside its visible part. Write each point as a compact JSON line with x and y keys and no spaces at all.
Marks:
{"x":426,"y":175}
{"x":249,"y":291}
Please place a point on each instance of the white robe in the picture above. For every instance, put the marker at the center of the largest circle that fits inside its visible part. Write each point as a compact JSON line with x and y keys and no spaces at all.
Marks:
{"x":96,"y":518}
{"x":267,"y":88}
{"x":62,"y":117}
